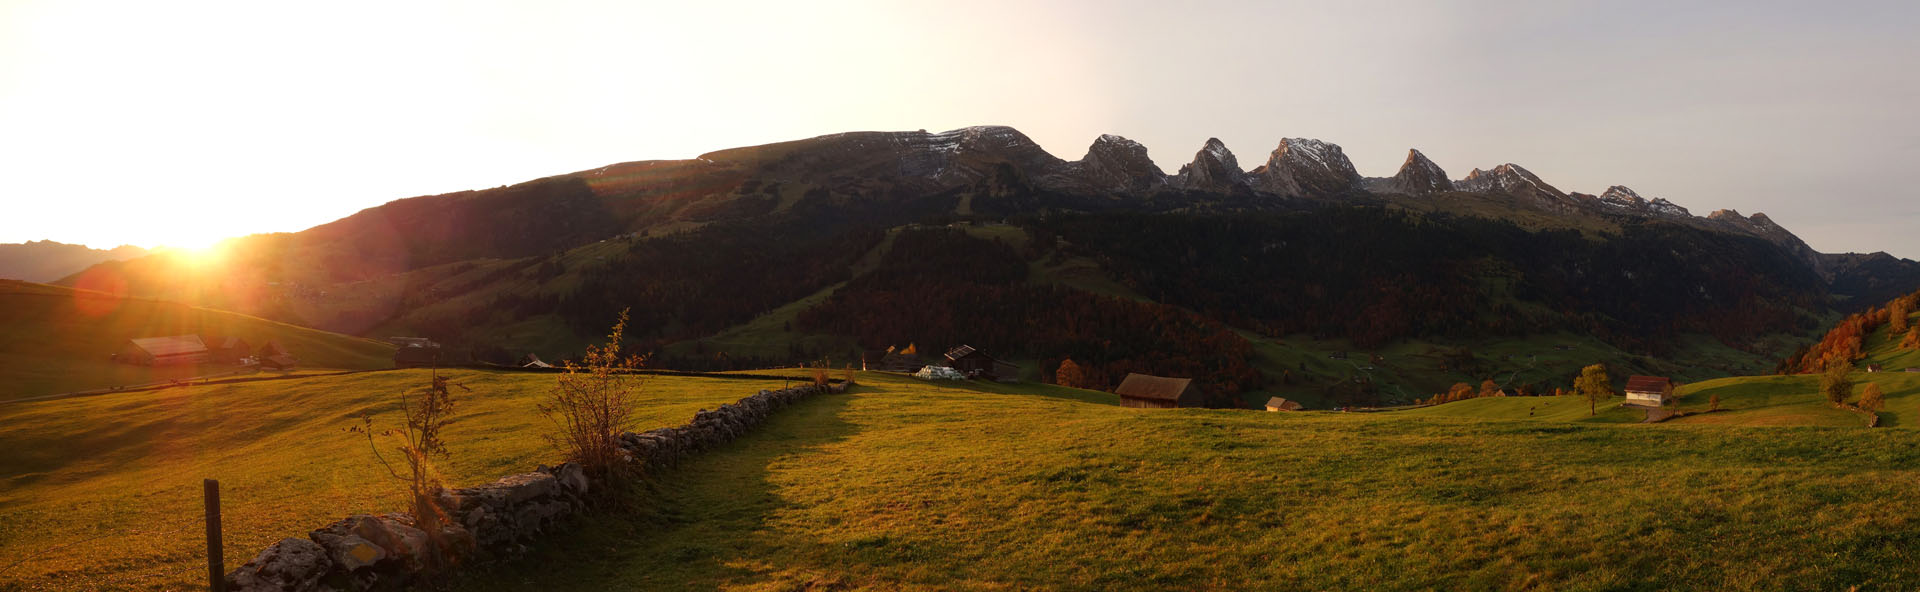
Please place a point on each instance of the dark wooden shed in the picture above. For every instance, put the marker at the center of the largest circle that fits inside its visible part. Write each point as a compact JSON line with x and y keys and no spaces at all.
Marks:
{"x":1157,"y":392}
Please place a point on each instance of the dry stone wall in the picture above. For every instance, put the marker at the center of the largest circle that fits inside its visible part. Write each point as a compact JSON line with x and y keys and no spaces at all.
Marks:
{"x":494,"y":520}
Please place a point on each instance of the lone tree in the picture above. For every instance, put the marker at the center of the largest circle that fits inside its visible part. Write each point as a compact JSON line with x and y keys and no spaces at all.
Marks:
{"x":593,"y":402}
{"x":1594,"y":385}
{"x":1871,"y":400}
{"x":1713,"y":402}
{"x":1835,"y":384}
{"x":1897,"y":315}
{"x":1912,"y":340}
{"x":1070,"y":375}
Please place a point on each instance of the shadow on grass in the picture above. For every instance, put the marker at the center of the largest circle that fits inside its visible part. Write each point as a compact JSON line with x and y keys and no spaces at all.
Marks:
{"x":697,"y":525}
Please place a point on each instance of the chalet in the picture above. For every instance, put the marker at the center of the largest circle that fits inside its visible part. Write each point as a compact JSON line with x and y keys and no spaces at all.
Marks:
{"x":1650,"y":391}
{"x":1873,"y":367}
{"x":1279,"y":404}
{"x":1913,"y":369}
{"x":1157,"y":392}
{"x":419,"y":354}
{"x":534,"y":361}
{"x":977,"y":364}
{"x":161,"y":351}
{"x":227,"y":350}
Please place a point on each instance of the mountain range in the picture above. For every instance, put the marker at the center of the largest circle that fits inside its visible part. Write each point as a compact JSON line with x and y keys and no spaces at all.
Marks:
{"x":46,"y":261}
{"x":834,"y":244}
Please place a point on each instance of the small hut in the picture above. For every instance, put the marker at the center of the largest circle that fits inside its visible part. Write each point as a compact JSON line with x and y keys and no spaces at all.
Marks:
{"x":1650,"y":391}
{"x":1873,"y":367}
{"x":1279,"y":404}
{"x":162,"y":351}
{"x":1157,"y":392}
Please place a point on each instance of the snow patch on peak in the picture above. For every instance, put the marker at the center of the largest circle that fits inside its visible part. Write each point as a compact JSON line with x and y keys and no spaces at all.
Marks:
{"x":1620,"y":196}
{"x":1310,"y":149}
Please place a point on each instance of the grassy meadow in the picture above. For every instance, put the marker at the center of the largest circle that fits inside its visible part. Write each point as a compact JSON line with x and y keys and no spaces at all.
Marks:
{"x":103,"y":492}
{"x":909,"y":485}
{"x":60,"y":339}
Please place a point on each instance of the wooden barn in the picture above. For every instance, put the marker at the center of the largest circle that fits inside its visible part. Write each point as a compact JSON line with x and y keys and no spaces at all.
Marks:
{"x":1279,"y":404}
{"x":1157,"y":392}
{"x":977,"y":364}
{"x":274,"y":356}
{"x":162,"y":351}
{"x":1651,"y":391}
{"x":227,"y":350}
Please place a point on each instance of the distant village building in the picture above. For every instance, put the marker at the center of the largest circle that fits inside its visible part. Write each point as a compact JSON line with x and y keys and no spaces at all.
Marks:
{"x":534,"y":361}
{"x":1917,"y":369}
{"x":1279,"y":404}
{"x":977,"y":364}
{"x":1873,"y":367}
{"x":162,"y":351}
{"x":1157,"y":392}
{"x":1648,"y":390}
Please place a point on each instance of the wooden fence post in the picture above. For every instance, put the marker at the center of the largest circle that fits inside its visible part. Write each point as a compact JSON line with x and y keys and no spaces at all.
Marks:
{"x":216,"y":563}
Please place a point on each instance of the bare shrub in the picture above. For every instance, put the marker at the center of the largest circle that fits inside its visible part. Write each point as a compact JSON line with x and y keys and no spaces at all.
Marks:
{"x":428,"y":411}
{"x":593,"y":402}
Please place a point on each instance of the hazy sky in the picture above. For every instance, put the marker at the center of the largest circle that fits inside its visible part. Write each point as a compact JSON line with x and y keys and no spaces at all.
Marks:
{"x":182,"y":122}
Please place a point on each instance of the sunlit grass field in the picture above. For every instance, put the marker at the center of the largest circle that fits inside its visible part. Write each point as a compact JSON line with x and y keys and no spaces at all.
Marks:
{"x":58,"y":340}
{"x":103,"y":492}
{"x":907,"y":485}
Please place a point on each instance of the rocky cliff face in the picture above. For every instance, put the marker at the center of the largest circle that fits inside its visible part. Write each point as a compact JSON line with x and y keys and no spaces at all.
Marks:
{"x":1514,"y":180}
{"x":1213,"y":169}
{"x":1302,"y":167}
{"x":1112,"y":164}
{"x":1419,"y":176}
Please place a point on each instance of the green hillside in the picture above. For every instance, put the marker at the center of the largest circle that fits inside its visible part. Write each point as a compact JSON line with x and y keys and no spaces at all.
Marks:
{"x":906,"y":485}
{"x":59,"y":339}
{"x":103,"y":492}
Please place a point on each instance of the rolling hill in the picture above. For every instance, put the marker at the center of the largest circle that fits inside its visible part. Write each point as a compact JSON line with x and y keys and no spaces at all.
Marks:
{"x":59,"y":339}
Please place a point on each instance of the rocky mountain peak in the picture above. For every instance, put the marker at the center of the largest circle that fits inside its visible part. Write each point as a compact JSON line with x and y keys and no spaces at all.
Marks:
{"x":1114,"y":163}
{"x":1302,"y":166}
{"x":1512,"y":179}
{"x":1620,"y":196}
{"x":1213,"y":169}
{"x":1419,"y":176}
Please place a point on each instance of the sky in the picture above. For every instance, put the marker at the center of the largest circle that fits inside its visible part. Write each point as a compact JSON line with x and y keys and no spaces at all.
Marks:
{"x":179,"y":123}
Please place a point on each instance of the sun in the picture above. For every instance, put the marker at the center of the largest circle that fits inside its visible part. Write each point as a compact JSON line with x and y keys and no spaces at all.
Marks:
{"x":207,"y":254}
